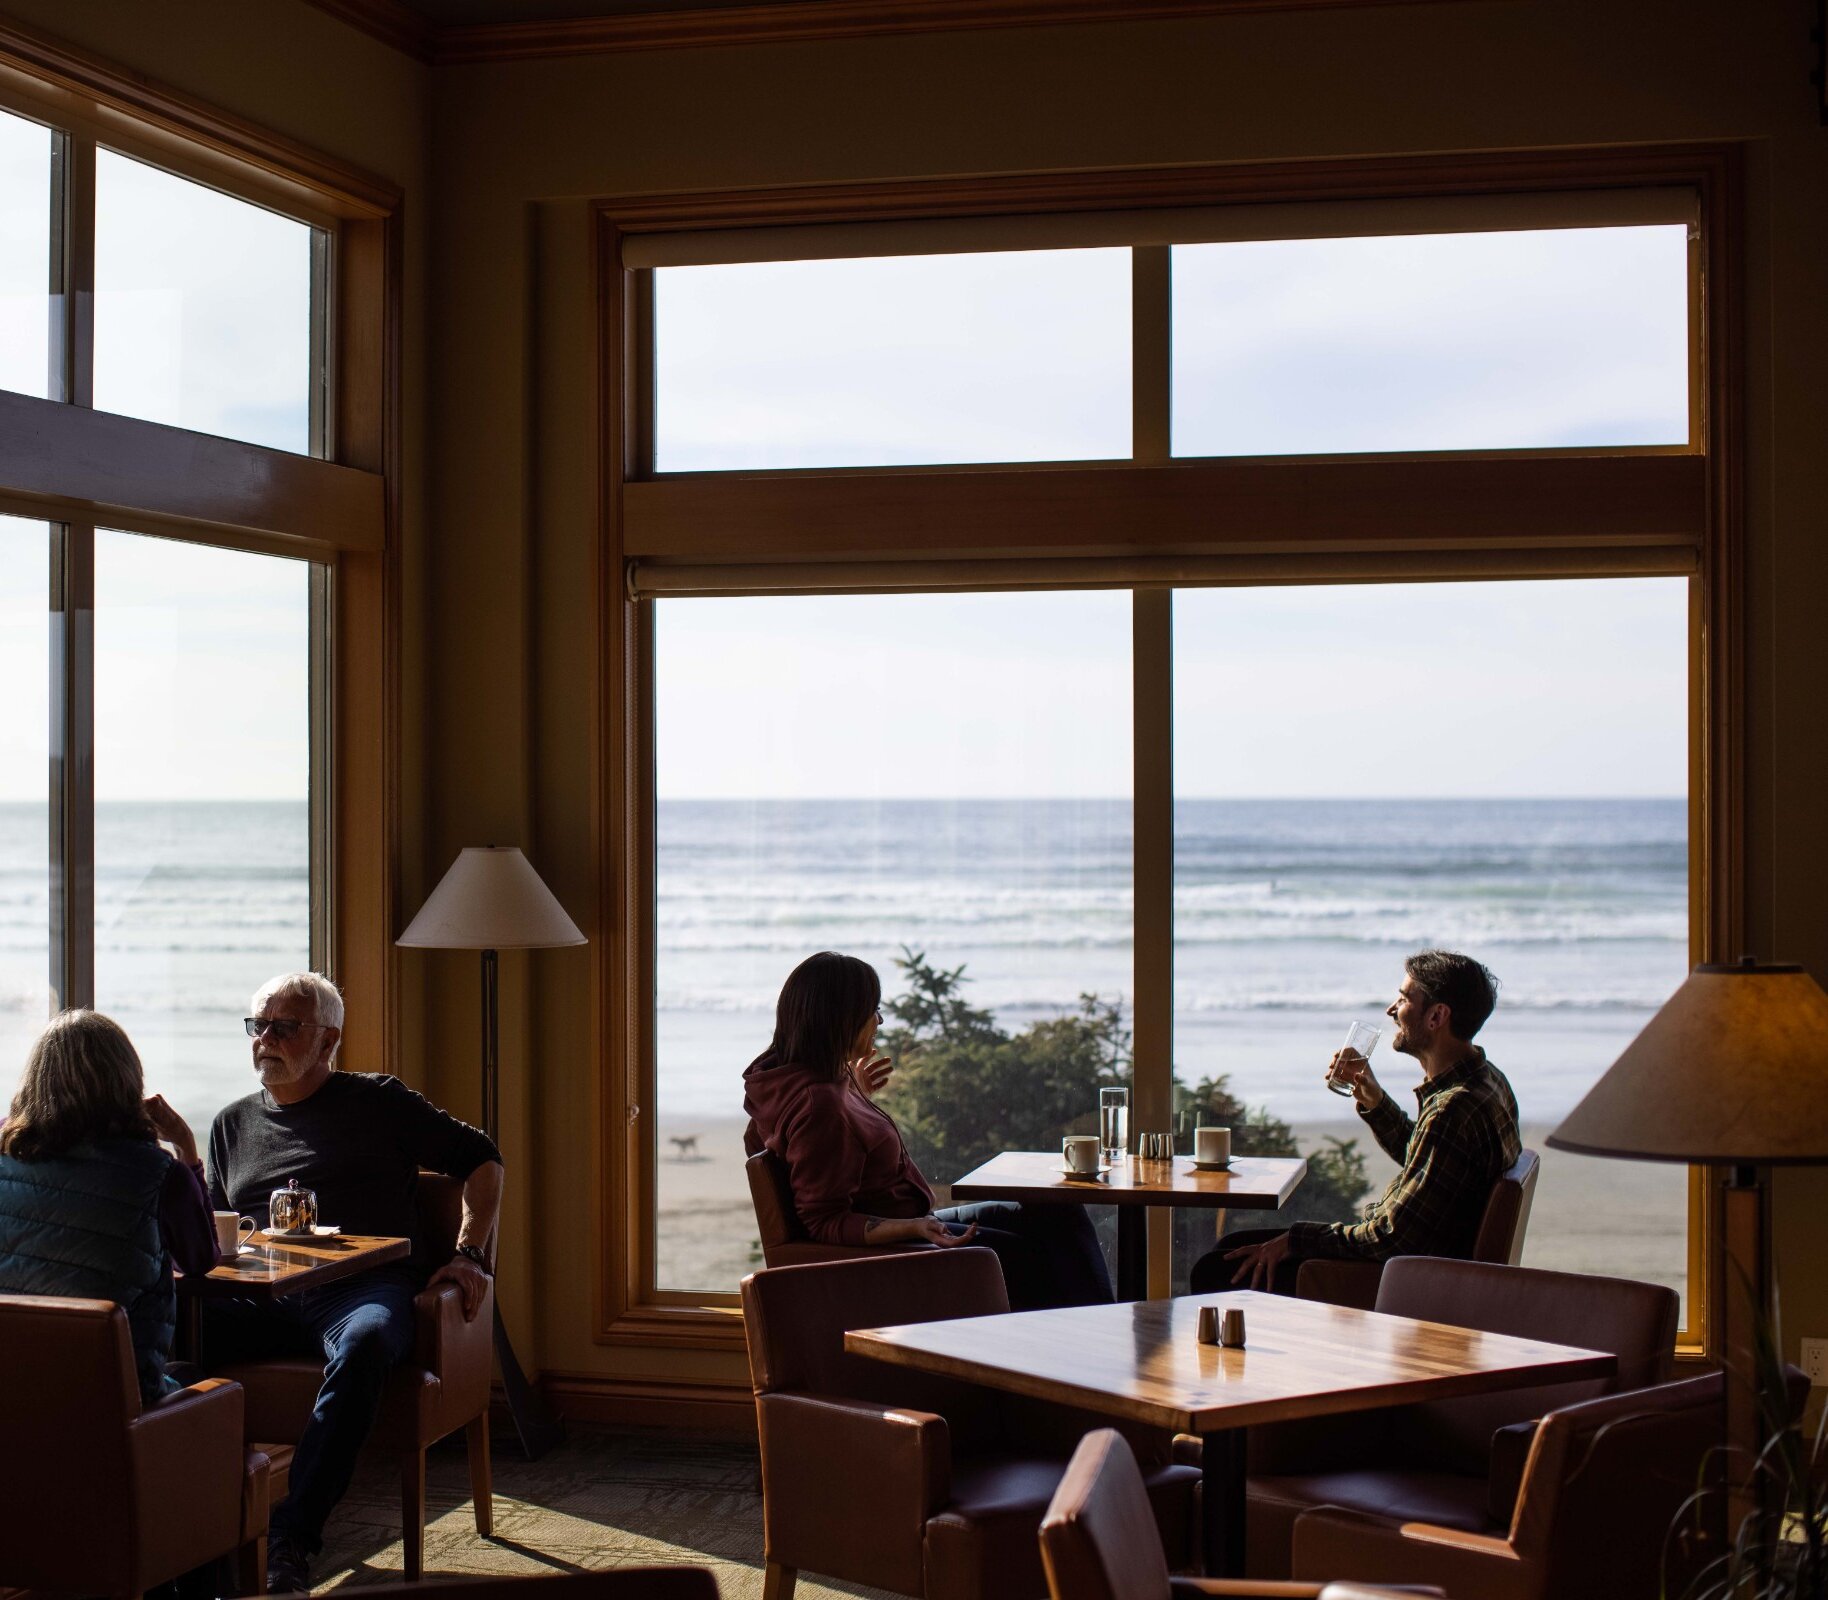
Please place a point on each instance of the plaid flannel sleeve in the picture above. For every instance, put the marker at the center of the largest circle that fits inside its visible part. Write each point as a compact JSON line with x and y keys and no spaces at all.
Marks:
{"x":1392,"y":1127}
{"x":1447,"y":1171}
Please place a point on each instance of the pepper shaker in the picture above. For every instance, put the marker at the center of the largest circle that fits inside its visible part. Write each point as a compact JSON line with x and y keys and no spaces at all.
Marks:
{"x":1232,"y":1334}
{"x":1209,"y":1325}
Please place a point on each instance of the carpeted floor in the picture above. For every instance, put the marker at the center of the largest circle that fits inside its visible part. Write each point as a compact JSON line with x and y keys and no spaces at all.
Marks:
{"x":604,"y":1498}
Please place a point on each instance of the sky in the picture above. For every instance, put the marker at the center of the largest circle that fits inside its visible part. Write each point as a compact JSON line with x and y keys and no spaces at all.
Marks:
{"x":1491,"y":340}
{"x":1554,"y":688}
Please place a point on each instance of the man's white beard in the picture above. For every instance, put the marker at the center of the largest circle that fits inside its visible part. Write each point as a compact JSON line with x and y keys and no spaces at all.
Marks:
{"x":277,"y":1070}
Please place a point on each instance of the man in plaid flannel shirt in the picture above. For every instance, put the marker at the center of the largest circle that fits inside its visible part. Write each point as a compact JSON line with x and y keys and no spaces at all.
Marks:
{"x":1464,"y":1134}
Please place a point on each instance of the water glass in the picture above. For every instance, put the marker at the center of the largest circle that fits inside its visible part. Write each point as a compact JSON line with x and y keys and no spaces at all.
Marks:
{"x":1114,"y":1122}
{"x":1361,"y":1040}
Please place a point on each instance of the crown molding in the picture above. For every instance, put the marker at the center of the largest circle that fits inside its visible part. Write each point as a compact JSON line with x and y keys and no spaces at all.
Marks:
{"x":397,"y":24}
{"x":390,"y":21}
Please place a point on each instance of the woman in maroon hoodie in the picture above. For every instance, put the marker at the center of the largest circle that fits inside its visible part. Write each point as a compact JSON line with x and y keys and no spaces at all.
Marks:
{"x":809,"y":1099}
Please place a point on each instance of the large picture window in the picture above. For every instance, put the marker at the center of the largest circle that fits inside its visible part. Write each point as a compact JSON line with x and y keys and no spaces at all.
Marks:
{"x":170,"y":370}
{"x":1419,"y":590}
{"x":202,"y":815}
{"x":1495,"y":768}
{"x":923,"y":781}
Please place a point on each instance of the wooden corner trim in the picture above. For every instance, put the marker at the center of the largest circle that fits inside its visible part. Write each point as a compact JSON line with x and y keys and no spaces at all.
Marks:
{"x":74,"y":79}
{"x":794,"y":21}
{"x":390,"y":21}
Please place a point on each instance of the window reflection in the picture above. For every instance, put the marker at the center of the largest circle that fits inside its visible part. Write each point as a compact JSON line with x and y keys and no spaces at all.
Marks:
{"x":202,"y":308}
{"x":883,"y":775}
{"x":25,"y":255}
{"x":202,"y":769}
{"x":25,"y":823}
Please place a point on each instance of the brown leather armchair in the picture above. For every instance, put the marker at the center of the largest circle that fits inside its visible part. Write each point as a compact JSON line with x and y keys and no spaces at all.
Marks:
{"x":953,"y":1478}
{"x":1099,"y":1540}
{"x":104,"y":1496}
{"x":443,"y":1387}
{"x":785,"y":1241}
{"x":1500,"y":1240}
{"x":1604,"y":1481}
{"x":1449,"y":1461}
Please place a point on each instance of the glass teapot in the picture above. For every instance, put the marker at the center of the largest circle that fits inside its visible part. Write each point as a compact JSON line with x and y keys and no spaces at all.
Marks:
{"x":292,"y":1209}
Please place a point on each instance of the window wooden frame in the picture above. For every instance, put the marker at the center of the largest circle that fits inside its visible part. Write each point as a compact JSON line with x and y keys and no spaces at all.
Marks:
{"x":1673,"y":510}
{"x":68,"y":464}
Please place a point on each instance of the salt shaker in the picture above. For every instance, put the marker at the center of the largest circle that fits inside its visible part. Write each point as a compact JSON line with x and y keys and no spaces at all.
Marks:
{"x":1232,"y":1334}
{"x":1209,"y":1325}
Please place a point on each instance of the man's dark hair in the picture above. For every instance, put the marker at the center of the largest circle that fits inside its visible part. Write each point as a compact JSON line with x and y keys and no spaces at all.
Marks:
{"x":1465,"y":986}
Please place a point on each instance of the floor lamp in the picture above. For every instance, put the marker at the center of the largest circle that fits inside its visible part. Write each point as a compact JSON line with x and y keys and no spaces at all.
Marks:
{"x":490,"y":900}
{"x":1732,"y":1071}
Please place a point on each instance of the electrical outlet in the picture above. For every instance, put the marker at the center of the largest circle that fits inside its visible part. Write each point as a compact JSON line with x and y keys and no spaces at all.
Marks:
{"x":1815,"y":1360}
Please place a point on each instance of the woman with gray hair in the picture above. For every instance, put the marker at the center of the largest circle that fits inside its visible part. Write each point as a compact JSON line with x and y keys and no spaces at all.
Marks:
{"x":90,"y":1205}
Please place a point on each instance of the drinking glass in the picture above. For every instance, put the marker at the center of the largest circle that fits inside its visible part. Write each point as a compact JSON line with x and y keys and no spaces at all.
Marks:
{"x":1361,"y":1040}
{"x":1114,"y":1122}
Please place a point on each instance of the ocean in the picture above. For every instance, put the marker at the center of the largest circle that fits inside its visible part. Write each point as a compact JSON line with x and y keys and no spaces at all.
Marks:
{"x":197,"y":903}
{"x":1292,"y":918}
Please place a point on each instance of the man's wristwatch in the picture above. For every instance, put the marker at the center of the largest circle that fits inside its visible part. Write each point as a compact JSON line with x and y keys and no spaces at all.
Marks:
{"x":469,"y":1252}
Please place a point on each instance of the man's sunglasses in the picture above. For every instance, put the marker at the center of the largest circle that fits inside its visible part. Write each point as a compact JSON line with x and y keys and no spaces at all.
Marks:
{"x":281,"y":1028}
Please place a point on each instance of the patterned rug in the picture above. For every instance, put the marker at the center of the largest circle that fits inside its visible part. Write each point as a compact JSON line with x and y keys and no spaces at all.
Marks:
{"x":604,"y":1498}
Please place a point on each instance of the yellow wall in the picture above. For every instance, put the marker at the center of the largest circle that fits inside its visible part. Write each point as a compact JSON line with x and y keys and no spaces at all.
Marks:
{"x":501,"y":652}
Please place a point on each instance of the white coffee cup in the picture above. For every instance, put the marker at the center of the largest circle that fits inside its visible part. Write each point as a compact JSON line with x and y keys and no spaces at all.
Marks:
{"x":231,"y":1230}
{"x":1212,"y":1146}
{"x":1080,"y":1151}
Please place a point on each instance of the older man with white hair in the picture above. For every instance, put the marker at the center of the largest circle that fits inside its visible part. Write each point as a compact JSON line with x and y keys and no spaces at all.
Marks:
{"x":358,"y":1139}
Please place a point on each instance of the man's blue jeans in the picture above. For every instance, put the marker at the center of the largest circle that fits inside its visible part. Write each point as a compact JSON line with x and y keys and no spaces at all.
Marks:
{"x":362,"y":1328}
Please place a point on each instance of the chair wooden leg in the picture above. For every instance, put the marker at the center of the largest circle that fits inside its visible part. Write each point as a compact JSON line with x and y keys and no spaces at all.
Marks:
{"x":412,"y":1511}
{"x":778,"y":1581}
{"x":251,"y":1567}
{"x":482,"y":1482}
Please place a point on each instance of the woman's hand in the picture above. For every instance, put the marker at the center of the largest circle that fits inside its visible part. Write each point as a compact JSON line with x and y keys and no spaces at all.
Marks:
{"x":869,"y":1073}
{"x":172,"y":1128}
{"x":921,"y":1230}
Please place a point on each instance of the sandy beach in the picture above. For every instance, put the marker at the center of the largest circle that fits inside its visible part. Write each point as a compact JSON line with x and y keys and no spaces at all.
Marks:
{"x":1619,"y":1217}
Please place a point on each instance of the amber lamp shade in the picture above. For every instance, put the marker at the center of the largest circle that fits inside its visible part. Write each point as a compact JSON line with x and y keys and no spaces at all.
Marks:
{"x":1732,"y":1070}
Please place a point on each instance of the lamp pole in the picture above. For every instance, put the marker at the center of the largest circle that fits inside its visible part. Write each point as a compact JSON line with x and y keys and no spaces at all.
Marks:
{"x":490,"y":899}
{"x":539,"y":1430}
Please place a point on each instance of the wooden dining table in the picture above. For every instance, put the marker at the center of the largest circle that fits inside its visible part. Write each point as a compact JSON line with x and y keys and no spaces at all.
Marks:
{"x":1035,"y":1177}
{"x":1301,"y":1358}
{"x":270,"y":1266}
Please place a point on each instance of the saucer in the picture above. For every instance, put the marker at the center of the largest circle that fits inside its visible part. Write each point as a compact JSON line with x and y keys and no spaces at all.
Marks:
{"x":1104,"y":1168}
{"x":1210,"y":1166}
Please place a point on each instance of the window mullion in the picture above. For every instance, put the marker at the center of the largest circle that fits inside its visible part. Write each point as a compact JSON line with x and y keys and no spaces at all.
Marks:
{"x":1150,"y":344}
{"x":320,"y":630}
{"x":72,"y":767}
{"x":73,"y":270}
{"x":1153,"y":824}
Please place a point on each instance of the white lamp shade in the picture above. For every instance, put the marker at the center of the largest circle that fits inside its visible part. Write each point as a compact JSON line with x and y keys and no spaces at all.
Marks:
{"x":1734,"y":1068}
{"x":491,"y":899}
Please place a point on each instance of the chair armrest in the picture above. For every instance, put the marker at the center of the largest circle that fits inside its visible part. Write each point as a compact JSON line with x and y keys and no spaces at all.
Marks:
{"x":1340,"y":1283}
{"x":187,"y":1475}
{"x":906,"y":1454}
{"x":459,"y":1353}
{"x":1510,"y":1450}
{"x":817,"y":1451}
{"x":1331,"y":1540}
